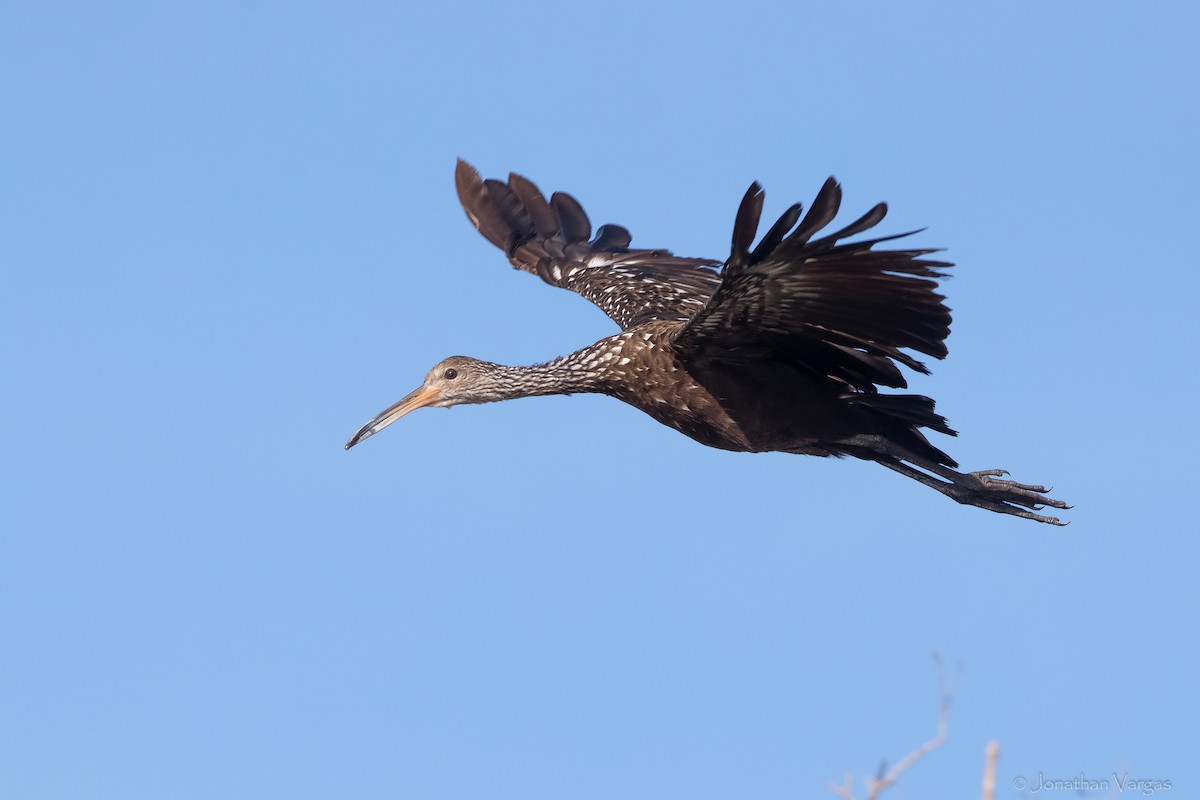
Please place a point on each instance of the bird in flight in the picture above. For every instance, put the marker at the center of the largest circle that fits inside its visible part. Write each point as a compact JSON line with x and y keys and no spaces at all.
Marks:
{"x":784,"y":347}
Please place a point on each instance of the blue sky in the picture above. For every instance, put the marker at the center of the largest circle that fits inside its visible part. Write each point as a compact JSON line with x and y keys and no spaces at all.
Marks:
{"x":230,"y":236}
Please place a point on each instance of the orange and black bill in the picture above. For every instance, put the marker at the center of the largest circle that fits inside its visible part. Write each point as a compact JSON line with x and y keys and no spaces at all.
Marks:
{"x":419,"y":399}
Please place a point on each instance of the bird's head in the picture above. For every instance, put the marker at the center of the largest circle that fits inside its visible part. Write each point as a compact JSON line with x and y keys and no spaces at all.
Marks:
{"x":455,"y":380}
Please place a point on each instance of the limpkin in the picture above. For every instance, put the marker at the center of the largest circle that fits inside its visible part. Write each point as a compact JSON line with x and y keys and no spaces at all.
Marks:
{"x":784,"y":347}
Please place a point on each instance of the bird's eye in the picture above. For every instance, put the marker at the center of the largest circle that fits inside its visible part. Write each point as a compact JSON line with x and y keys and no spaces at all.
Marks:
{"x":450,"y":374}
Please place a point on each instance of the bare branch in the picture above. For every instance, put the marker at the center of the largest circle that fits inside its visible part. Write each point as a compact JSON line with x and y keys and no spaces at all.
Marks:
{"x":991,"y":756}
{"x":887,"y":778}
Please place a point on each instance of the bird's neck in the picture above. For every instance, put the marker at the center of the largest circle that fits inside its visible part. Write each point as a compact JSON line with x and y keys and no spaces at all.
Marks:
{"x":576,"y":373}
{"x":551,"y":378}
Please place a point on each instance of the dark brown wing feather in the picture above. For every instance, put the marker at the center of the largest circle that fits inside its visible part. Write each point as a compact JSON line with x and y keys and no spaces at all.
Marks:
{"x":842,"y":311}
{"x":550,"y":240}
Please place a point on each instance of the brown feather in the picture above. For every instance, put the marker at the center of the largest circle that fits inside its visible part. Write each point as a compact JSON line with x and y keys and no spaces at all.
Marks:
{"x":776,"y":233}
{"x":572,"y":222}
{"x":745,"y":227}
{"x":540,"y":213}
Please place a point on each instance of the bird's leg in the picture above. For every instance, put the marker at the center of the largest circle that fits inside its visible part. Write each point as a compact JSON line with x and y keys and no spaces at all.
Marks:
{"x":983,"y":489}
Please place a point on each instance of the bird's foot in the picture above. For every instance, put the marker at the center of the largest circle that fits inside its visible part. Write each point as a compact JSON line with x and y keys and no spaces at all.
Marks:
{"x":987,"y":489}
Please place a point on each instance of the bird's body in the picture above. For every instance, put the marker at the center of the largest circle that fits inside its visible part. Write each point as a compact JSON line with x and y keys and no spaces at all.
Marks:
{"x":728,"y":406}
{"x":639,"y":367}
{"x":783,"y":349}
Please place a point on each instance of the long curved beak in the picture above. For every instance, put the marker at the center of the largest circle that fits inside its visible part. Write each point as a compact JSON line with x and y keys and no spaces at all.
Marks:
{"x":410,"y":402}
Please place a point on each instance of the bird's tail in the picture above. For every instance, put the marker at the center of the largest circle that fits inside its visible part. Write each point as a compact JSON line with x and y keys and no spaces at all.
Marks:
{"x":909,"y":413}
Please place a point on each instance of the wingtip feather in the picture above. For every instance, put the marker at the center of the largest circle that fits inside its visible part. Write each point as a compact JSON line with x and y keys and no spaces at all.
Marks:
{"x":745,"y":224}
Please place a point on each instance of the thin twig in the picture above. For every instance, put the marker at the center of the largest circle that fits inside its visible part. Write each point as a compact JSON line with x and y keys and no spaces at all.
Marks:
{"x":846,"y":790}
{"x":945,"y":695}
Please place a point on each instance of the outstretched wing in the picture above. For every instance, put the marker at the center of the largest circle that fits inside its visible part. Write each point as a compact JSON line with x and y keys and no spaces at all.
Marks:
{"x":550,"y":240}
{"x":842,"y":311}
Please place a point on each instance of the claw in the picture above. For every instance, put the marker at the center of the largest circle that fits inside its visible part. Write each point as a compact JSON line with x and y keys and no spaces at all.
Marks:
{"x":1010,"y":497}
{"x":990,"y":473}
